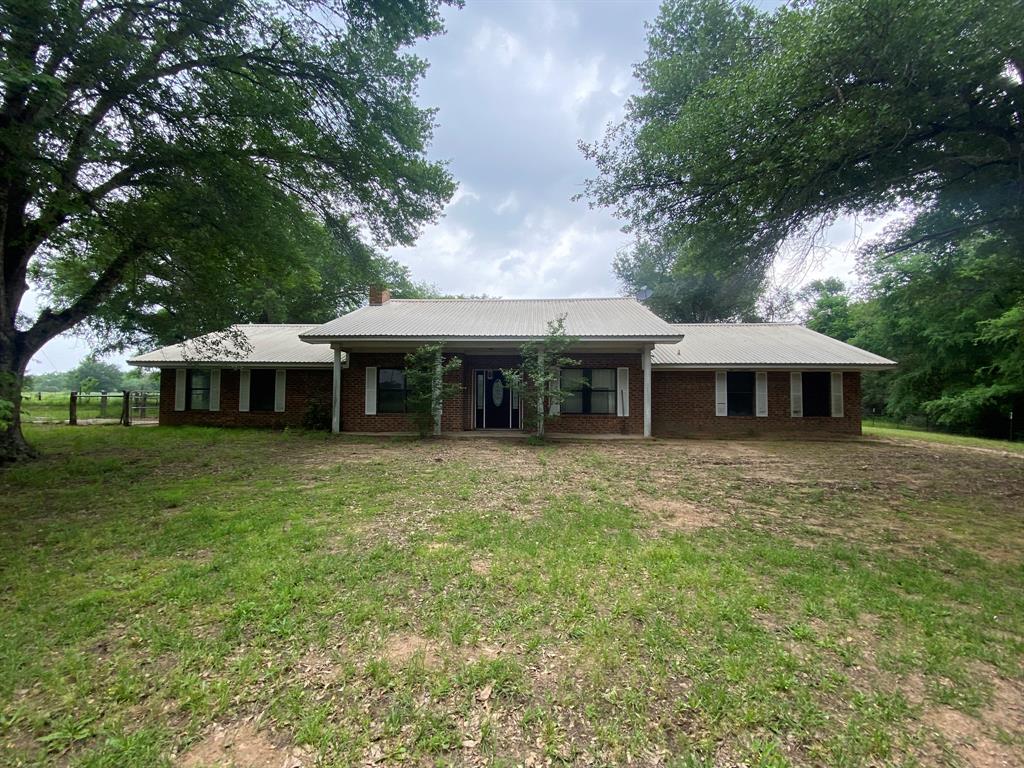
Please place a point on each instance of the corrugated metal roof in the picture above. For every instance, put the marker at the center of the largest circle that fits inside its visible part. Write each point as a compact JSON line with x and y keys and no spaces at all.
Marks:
{"x":240,"y":345}
{"x":496,"y":318}
{"x":718,"y":345}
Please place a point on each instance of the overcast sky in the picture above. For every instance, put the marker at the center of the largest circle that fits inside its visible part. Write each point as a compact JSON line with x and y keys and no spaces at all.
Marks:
{"x":517,"y":85}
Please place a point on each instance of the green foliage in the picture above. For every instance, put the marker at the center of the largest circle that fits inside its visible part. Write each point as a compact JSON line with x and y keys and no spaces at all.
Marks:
{"x":170,"y":168}
{"x":754,"y":128}
{"x":317,"y":416}
{"x":92,"y":375}
{"x":828,"y":309}
{"x":426,"y":374}
{"x":951,"y":315}
{"x":680,"y":290}
{"x":537,"y":377}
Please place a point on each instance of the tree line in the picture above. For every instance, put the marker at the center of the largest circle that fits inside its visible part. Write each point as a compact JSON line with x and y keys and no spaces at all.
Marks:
{"x":93,"y":375}
{"x":753,"y":131}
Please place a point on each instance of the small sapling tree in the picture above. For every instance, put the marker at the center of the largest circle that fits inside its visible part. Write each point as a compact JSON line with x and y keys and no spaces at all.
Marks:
{"x":425,"y":371}
{"x":537,"y":379}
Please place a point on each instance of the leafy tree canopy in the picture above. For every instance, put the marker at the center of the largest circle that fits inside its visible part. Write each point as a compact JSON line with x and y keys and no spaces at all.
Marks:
{"x":157,"y":151}
{"x":750,"y":128}
{"x":677,"y":287}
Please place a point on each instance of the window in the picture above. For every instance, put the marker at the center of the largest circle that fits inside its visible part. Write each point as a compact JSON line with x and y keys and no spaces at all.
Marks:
{"x":262,"y":387}
{"x":390,"y":390}
{"x":740,"y":393}
{"x":198,"y":390}
{"x":817,"y":389}
{"x":589,"y":390}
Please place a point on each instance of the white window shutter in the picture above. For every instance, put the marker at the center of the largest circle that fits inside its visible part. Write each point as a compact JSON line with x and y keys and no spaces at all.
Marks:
{"x":180,"y":384}
{"x":721,"y":394}
{"x":555,"y":406}
{"x":622,"y":387}
{"x":279,"y":384}
{"x":243,"y":389}
{"x":371,"y":390}
{"x":837,"y":393}
{"x":761,"y":381}
{"x":796,"y":394}
{"x":215,"y":389}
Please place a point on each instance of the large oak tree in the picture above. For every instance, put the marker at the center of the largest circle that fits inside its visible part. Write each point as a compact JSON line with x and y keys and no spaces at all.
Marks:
{"x":129,"y":126}
{"x":751,"y":129}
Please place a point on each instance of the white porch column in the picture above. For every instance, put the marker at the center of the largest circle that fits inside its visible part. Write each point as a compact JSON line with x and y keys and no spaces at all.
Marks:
{"x":336,"y":392}
{"x":646,"y":358}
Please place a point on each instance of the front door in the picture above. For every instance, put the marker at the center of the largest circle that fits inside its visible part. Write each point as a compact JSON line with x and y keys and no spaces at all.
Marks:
{"x":497,"y":406}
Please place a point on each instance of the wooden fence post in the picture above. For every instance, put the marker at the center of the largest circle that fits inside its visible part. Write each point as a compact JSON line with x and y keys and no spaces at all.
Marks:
{"x":142,"y":406}
{"x":126,"y":407}
{"x":103,"y":404}
{"x":73,"y":413}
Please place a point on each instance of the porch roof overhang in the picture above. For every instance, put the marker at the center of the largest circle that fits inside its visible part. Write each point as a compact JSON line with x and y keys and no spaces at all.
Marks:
{"x":484,"y":344}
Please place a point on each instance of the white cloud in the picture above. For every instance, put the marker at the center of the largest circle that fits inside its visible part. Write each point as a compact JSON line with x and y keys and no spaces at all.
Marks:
{"x":510,"y":204}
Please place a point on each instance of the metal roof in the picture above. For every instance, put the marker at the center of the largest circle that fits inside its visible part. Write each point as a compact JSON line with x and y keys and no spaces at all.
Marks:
{"x":242,"y":345}
{"x":617,"y":318}
{"x":722,"y":345}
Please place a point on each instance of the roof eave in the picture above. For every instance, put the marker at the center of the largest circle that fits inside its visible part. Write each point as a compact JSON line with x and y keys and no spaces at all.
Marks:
{"x":649,"y":339}
{"x":223,"y":364}
{"x":776,"y":366}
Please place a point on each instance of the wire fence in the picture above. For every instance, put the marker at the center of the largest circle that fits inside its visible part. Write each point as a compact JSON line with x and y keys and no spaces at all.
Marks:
{"x":126,"y":407}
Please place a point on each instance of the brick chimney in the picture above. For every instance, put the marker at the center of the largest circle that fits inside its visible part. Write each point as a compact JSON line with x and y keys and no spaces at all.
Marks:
{"x":379,"y":295}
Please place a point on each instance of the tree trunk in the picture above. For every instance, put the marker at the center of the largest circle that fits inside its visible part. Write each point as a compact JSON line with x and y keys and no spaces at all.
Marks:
{"x":13,"y":446}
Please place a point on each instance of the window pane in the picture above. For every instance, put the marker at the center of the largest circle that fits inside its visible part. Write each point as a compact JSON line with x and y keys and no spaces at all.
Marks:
{"x":200,"y":379}
{"x":573,"y":403}
{"x":391,"y":378}
{"x":740,"y":393}
{"x":817,"y":390}
{"x":390,"y":401}
{"x":572,"y":378}
{"x":603,"y":401}
{"x":262,"y":384}
{"x":200,"y":400}
{"x":602,"y":378}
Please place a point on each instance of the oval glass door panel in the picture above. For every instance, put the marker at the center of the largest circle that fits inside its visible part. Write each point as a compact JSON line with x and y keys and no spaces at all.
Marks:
{"x":497,"y":392}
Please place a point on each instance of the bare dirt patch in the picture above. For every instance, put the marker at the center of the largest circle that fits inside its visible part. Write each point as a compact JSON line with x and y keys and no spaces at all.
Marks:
{"x":481,"y":566}
{"x":974,"y":738}
{"x":677,"y":514}
{"x":242,"y":745}
{"x":402,"y":649}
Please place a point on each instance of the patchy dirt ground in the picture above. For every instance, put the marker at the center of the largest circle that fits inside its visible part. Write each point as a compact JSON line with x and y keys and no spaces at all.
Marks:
{"x":200,"y":597}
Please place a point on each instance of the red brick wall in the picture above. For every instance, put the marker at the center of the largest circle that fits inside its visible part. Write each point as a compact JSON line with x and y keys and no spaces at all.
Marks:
{"x":303,"y":386}
{"x":683,"y":403}
{"x":602,"y":423}
{"x":353,"y":398}
{"x":457,"y":412}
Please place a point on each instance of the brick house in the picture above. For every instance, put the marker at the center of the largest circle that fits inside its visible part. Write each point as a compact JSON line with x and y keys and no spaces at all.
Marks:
{"x":637,"y":374}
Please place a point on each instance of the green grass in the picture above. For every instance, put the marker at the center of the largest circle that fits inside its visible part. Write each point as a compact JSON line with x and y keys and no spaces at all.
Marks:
{"x":942,"y":437}
{"x":687,"y":603}
{"x":54,"y":407}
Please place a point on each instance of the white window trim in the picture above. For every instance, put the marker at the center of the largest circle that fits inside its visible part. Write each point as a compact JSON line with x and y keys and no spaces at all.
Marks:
{"x":622,"y":392}
{"x":761,"y":394}
{"x":721,"y":393}
{"x":371,"y":390}
{"x":796,"y":394}
{"x":837,"y":394}
{"x":215,"y":389}
{"x":243,"y":389}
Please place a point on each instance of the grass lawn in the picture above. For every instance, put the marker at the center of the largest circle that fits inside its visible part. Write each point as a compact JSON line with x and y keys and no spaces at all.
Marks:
{"x":191,"y":596}
{"x":942,"y":437}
